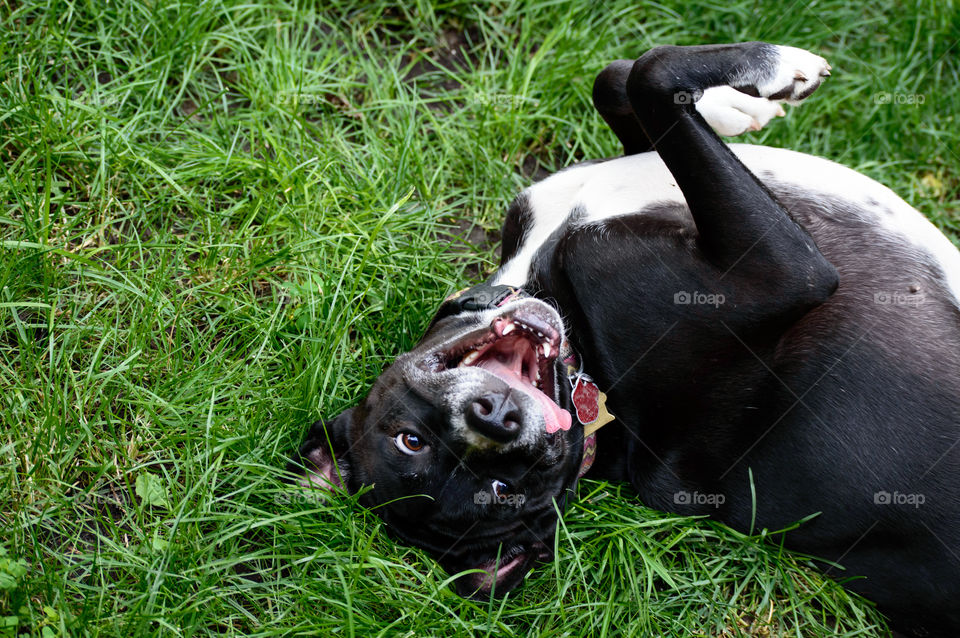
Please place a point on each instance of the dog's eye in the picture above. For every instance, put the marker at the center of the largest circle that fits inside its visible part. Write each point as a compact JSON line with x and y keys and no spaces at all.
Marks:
{"x":409,"y":443}
{"x":500,"y":489}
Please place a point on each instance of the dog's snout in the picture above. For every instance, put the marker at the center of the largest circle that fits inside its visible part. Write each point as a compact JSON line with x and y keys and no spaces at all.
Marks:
{"x":496,"y":416}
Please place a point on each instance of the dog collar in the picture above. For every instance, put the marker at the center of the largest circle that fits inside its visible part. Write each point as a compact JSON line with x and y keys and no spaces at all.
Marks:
{"x":590,"y":404}
{"x":589,"y":454}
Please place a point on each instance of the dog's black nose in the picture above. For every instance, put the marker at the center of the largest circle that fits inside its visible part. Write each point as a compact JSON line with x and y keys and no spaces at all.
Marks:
{"x":495,"y":416}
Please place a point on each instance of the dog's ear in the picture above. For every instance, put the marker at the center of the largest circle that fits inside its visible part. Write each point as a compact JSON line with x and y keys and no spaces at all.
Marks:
{"x":322,"y":458}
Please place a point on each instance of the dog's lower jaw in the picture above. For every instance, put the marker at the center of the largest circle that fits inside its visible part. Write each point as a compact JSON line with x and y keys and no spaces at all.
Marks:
{"x":500,"y":575}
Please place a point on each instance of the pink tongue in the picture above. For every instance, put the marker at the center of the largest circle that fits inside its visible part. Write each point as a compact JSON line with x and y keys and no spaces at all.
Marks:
{"x":555,"y":417}
{"x":494,"y":570}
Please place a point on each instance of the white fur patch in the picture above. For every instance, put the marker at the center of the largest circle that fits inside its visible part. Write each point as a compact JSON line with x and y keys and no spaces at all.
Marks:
{"x":731,"y":112}
{"x":799,"y":69}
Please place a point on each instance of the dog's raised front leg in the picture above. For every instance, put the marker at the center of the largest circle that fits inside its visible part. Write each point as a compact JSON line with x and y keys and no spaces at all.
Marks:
{"x":611,"y":101}
{"x":742,"y":228}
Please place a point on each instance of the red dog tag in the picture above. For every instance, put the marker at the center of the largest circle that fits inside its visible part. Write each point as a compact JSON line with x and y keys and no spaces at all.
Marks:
{"x":586,"y":399}
{"x":590,"y":403}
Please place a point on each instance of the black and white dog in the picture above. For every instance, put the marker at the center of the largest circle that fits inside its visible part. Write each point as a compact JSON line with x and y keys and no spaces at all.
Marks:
{"x":760,"y":320}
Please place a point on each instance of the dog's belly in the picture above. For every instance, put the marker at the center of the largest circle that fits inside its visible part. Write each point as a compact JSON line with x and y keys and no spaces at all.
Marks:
{"x":597,"y":192}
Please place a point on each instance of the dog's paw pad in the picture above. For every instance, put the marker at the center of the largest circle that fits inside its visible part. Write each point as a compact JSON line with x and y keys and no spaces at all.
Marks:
{"x":798,"y":74}
{"x":730,"y":112}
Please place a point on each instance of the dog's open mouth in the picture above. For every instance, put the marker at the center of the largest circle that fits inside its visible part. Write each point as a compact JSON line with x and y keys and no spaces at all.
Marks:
{"x":504,"y":572}
{"x":520,"y":347}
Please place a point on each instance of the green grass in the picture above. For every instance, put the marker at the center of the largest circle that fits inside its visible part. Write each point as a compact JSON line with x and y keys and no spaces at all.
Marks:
{"x":219,"y":222}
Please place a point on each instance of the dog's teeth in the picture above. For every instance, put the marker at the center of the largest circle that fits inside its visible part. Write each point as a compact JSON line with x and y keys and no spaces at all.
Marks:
{"x":508,"y":329}
{"x":546,"y":350}
{"x":470,"y":358}
{"x":539,"y":334}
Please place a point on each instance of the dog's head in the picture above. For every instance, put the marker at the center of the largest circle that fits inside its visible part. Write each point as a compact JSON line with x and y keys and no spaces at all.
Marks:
{"x":466,"y":440}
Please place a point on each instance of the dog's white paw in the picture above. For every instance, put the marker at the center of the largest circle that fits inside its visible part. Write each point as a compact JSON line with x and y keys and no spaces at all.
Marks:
{"x":730,"y":112}
{"x":798,"y":74}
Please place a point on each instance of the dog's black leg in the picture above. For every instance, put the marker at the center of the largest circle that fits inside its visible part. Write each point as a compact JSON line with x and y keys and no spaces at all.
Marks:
{"x":611,"y":101}
{"x":742,"y":229}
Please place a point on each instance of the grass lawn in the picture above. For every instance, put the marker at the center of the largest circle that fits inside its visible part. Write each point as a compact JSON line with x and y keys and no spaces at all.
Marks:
{"x":219,"y":222}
